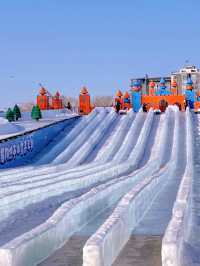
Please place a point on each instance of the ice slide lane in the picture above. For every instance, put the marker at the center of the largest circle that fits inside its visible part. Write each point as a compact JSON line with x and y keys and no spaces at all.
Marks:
{"x":66,"y":154}
{"x":180,"y":244}
{"x":18,"y":200}
{"x":43,"y":243}
{"x":104,"y":140}
{"x":119,"y":139}
{"x":105,"y":245}
{"x":81,"y":154}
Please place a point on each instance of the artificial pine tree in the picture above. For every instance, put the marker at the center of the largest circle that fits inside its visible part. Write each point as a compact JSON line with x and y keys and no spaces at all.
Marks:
{"x":10,"y":115}
{"x":33,"y":112}
{"x":36,"y":113}
{"x":17,"y":112}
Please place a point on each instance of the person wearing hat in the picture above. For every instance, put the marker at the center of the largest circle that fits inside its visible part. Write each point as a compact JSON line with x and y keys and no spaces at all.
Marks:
{"x":118,"y":101}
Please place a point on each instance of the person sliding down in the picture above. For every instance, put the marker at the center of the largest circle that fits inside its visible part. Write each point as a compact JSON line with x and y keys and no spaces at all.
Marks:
{"x":117,"y":106}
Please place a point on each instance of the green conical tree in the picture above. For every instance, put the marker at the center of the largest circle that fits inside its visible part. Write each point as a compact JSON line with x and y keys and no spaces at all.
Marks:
{"x":33,"y":112}
{"x":36,"y":112}
{"x":17,"y":112}
{"x":10,"y":115}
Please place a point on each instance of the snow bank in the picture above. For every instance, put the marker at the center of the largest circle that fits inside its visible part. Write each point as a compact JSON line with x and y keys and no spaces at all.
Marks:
{"x":48,"y":114}
{"x":9,"y":128}
{"x":175,"y":233}
{"x":105,"y":245}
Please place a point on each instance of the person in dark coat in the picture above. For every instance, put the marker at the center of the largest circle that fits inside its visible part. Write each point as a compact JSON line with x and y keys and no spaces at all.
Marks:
{"x":69,"y":106}
{"x":117,"y":106}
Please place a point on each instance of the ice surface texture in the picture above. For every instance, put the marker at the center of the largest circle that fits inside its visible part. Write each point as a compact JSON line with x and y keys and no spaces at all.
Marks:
{"x":176,"y":232}
{"x":104,"y":246}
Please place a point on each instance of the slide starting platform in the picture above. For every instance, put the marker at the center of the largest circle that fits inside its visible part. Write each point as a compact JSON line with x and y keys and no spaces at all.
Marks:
{"x":158,"y":97}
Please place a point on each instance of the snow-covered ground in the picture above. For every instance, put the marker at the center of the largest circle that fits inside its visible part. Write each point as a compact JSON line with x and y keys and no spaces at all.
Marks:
{"x":26,"y":124}
{"x":7,"y":128}
{"x":112,"y":172}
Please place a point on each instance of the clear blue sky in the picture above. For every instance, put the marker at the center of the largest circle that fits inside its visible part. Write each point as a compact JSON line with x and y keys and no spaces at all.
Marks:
{"x":65,"y":44}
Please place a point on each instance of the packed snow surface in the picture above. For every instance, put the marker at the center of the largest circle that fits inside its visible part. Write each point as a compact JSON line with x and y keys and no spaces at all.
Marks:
{"x":8,"y":127}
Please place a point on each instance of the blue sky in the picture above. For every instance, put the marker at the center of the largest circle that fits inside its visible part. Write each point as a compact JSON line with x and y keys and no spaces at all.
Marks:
{"x":66,"y":44}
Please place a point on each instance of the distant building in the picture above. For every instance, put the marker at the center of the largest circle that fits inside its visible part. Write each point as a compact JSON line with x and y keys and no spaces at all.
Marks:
{"x":183,"y":74}
{"x":145,"y":82}
{"x":180,"y":76}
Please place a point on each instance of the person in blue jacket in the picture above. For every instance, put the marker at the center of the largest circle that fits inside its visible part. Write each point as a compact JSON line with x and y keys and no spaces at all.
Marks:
{"x":189,"y":94}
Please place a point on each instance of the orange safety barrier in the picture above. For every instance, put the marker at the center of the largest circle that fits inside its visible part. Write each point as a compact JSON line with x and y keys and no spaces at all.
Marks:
{"x":154,"y":101}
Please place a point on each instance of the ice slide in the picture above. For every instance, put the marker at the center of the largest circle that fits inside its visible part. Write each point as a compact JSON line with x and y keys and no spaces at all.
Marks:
{"x":98,"y":186}
{"x":180,"y":245}
{"x":149,"y":123}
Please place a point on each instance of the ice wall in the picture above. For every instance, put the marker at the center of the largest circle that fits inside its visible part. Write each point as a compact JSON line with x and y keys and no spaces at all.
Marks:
{"x":20,"y":150}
